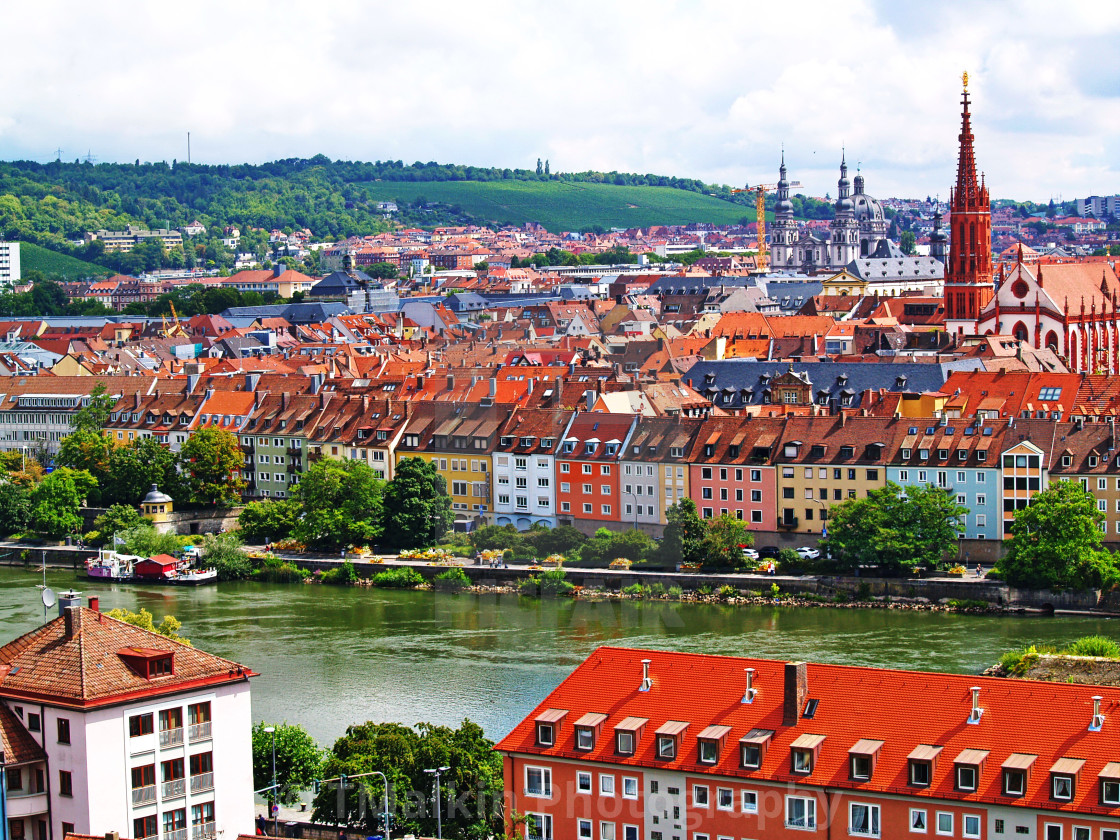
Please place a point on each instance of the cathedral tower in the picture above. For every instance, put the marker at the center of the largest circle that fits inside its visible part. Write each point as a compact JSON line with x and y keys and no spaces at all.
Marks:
{"x":783,"y":230}
{"x":844,"y":238}
{"x":968,"y":273}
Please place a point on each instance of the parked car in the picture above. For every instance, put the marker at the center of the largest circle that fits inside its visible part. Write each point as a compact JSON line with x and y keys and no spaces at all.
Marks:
{"x":808,"y":552}
{"x":749,"y":553}
{"x":768,"y":552}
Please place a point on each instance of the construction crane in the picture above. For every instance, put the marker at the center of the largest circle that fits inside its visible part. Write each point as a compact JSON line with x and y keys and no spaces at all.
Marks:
{"x":760,"y":191}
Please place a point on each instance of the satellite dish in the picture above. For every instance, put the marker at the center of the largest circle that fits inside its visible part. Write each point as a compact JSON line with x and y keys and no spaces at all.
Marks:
{"x":49,"y":597}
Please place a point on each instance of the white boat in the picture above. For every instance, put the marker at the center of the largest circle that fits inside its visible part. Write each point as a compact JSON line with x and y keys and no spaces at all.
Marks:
{"x":111,"y":566}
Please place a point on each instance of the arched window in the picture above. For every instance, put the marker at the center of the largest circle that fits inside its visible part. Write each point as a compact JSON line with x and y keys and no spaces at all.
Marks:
{"x":1020,"y":331}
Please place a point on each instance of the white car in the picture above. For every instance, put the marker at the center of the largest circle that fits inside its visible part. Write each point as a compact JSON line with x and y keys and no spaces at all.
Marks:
{"x":808,"y":553}
{"x":750,"y":553}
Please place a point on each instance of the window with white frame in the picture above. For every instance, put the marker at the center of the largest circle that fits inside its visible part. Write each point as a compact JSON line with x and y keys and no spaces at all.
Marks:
{"x":970,"y":826}
{"x":749,"y":801}
{"x":584,"y":829}
{"x":629,"y":787}
{"x":606,"y":784}
{"x":1061,"y":787}
{"x":699,"y":796}
{"x":966,"y":777}
{"x":1080,"y":832}
{"x":538,"y":781}
{"x":1053,"y":831}
{"x":630,"y":832}
{"x":606,"y":830}
{"x":538,"y":826}
{"x":863,"y":819}
{"x":583,"y":782}
{"x":944,"y":822}
{"x":725,"y":799}
{"x":918,"y":820}
{"x":801,"y":812}
{"x":1110,"y":792}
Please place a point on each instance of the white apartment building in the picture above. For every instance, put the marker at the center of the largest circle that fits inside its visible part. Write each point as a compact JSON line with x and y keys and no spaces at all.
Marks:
{"x":524,"y":468}
{"x":9,"y":264}
{"x":123,"y":730}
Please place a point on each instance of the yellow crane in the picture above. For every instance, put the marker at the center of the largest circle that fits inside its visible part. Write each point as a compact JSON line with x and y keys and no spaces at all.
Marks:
{"x":760,"y":190}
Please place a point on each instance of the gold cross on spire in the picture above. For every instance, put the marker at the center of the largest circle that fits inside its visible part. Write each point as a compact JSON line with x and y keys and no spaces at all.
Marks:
{"x":964,"y":79}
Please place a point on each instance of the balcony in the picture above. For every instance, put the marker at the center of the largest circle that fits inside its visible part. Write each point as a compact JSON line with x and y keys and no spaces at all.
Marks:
{"x":178,"y":834}
{"x":295,"y":451}
{"x":248,"y":448}
{"x":202,"y":782}
{"x":202,"y":831}
{"x":143,"y":795}
{"x":174,"y":788}
{"x":171,"y":737}
{"x":787,"y":524}
{"x":22,"y":804}
{"x":199,"y":731}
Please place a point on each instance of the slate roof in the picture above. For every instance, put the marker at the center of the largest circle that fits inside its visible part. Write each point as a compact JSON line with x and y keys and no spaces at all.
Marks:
{"x":905,"y":710}
{"x":743,"y":382}
{"x":86,"y":670}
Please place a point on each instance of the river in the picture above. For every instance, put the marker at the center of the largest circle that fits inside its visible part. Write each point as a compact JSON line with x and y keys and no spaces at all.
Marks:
{"x":329,"y":657}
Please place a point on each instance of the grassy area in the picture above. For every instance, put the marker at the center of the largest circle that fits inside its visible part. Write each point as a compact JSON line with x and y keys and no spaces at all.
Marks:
{"x":52,"y":264}
{"x":566,"y":206}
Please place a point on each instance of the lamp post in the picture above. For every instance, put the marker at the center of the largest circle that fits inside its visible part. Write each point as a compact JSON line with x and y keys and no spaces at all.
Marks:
{"x":384,"y":779}
{"x":275,"y":801}
{"x":439,"y":815}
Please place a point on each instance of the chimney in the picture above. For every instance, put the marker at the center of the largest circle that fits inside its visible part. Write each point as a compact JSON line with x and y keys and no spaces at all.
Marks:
{"x":796,"y":692}
{"x":285,"y":398}
{"x":976,"y":713}
{"x":748,"y":696}
{"x":95,"y":603}
{"x":1098,"y":719}
{"x":136,"y":399}
{"x":647,"y":683}
{"x":72,"y":617}
{"x":450,"y":382}
{"x":493,"y":387}
{"x":112,"y":835}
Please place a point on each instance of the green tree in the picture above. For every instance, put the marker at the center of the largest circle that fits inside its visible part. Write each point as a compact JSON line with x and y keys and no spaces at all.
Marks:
{"x":116,"y":519}
{"x":473,"y":782}
{"x":87,"y":449}
{"x":169,"y":627}
{"x":223,"y":552}
{"x":212,"y":460}
{"x":907,"y":242}
{"x":95,"y":414}
{"x":272,"y":519}
{"x":895,"y":529}
{"x":416,"y":510}
{"x":723,"y":541}
{"x":383,"y":271}
{"x":340,"y":505}
{"x":1056,"y":542}
{"x":15,"y":507}
{"x":135,"y":467}
{"x":298,"y":760}
{"x":683,"y":540}
{"x":57,"y":501}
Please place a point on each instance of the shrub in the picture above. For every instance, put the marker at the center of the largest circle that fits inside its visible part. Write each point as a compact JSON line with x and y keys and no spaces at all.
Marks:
{"x":775,"y":591}
{"x":657,"y":590}
{"x":863,"y":591}
{"x":531,"y":587}
{"x":341,"y":575}
{"x":968,"y":604}
{"x":635,"y":590}
{"x":453,"y":580}
{"x":223,"y":552}
{"x":554,"y":582}
{"x":727,"y":591}
{"x":402,"y":578}
{"x":1094,"y":646}
{"x":276,"y":570}
{"x":704,"y":590}
{"x":675,"y":592}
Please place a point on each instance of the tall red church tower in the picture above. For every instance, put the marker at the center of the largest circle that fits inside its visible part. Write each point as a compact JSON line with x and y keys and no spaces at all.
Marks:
{"x":968,"y":273}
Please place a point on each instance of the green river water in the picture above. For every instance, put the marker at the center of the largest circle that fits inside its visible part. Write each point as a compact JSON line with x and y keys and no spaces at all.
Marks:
{"x":329,"y":656}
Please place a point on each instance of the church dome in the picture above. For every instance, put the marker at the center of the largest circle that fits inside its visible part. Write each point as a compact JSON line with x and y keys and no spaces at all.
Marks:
{"x":867,"y":207}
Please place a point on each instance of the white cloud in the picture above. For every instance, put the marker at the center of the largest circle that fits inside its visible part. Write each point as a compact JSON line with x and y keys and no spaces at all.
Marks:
{"x":696,"y":89}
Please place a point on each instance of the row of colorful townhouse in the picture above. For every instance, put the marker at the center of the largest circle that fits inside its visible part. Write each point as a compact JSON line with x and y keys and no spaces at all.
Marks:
{"x":505,"y":465}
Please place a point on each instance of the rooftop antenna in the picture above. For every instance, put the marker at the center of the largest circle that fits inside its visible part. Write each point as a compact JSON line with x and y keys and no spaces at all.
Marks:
{"x":47,"y":594}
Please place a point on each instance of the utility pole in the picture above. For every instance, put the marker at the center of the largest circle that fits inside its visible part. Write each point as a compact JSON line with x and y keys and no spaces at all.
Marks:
{"x":439,"y":813}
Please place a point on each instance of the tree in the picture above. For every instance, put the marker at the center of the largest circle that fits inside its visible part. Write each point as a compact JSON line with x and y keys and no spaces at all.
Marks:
{"x":340,"y":505}
{"x":15,"y":507}
{"x":272,"y":519}
{"x":607,"y":545}
{"x":169,"y":627}
{"x":1056,"y":542}
{"x":135,"y":467}
{"x":143,"y":539}
{"x":473,"y":782}
{"x":95,"y":414}
{"x":907,"y":242}
{"x":56,"y":502}
{"x":683,"y":541}
{"x":416,"y":510}
{"x":895,"y":529}
{"x":89,"y":450}
{"x":115,"y":519}
{"x":223,"y":552}
{"x":212,"y":460}
{"x":298,"y":760}
{"x":383,"y":271}
{"x":724,"y":540}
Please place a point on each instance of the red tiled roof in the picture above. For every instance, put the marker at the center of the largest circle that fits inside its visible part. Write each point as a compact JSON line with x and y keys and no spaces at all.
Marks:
{"x":903,"y":709}
{"x":86,"y":669}
{"x":17,"y":744}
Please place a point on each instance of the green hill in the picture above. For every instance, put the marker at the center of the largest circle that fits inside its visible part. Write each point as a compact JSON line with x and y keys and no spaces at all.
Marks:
{"x":51,"y":264}
{"x":561,"y":205}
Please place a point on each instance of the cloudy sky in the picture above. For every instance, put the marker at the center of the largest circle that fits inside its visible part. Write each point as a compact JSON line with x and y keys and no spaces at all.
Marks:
{"x":708,"y":90}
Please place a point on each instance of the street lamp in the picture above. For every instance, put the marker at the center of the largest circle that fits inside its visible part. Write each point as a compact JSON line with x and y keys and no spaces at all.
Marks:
{"x":275,"y":803}
{"x":385,"y":791}
{"x":439,"y":815}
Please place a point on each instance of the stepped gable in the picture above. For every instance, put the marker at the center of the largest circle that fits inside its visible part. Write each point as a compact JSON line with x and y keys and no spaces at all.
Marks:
{"x":82,"y":660}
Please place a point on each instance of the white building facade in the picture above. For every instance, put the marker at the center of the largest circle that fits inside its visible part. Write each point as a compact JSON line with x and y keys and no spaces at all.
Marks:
{"x":9,"y":264}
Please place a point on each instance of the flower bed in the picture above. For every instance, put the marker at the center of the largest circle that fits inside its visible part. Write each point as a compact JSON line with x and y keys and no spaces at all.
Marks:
{"x":435,"y":556}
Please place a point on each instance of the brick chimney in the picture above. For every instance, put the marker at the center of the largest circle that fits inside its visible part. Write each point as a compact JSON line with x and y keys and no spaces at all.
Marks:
{"x":796,"y":692}
{"x":72,"y":619}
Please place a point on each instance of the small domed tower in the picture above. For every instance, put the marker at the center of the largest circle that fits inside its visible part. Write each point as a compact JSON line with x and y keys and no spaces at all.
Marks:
{"x":157,"y":509}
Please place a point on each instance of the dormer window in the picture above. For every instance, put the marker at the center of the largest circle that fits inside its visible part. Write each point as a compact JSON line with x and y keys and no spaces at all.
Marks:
{"x":905,"y":454}
{"x":1067,"y":460}
{"x":149,"y":663}
{"x":861,"y":759}
{"x":816,"y":451}
{"x":1015,"y":772}
{"x":1063,"y":778}
{"x":1093,"y":459}
{"x":966,"y":769}
{"x":923,"y":454}
{"x":803,"y":753}
{"x":627,"y":734}
{"x":847,"y":451}
{"x":920,"y":765}
{"x":1110,"y":783}
{"x":587,"y":730}
{"x":942,"y":454}
{"x":962,"y":454}
{"x":548,"y":723}
{"x":709,"y":743}
{"x":752,"y":748}
{"x":668,"y":739}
